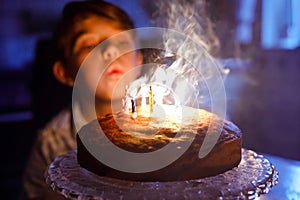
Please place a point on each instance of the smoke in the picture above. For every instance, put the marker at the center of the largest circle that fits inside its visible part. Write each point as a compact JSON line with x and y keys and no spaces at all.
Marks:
{"x":186,"y":62}
{"x":190,"y":18}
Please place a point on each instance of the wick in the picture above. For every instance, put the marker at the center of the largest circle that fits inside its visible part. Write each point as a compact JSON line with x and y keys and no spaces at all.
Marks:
{"x":133,"y":108}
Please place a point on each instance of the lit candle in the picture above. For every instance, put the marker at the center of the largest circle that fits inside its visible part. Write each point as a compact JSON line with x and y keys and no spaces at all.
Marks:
{"x":126,"y":101}
{"x":151,"y":99}
{"x":143,"y":101}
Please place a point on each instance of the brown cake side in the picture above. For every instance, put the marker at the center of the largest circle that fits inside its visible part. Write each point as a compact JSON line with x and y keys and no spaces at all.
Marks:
{"x":121,"y":129}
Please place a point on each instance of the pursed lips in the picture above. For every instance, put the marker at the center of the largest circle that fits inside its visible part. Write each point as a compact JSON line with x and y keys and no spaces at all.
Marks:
{"x":115,"y":73}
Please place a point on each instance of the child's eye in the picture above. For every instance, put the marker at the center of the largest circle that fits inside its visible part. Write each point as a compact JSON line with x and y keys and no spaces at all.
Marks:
{"x":123,"y":43}
{"x":87,"y":48}
{"x":90,"y":47}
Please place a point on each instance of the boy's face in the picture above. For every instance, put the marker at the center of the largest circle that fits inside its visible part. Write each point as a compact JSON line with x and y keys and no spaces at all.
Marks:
{"x":112,"y":67}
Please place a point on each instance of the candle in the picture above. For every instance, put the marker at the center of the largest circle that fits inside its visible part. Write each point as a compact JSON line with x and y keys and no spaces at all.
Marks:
{"x":126,"y":101}
{"x":133,"y":108}
{"x":143,"y":101}
{"x":151,"y":99}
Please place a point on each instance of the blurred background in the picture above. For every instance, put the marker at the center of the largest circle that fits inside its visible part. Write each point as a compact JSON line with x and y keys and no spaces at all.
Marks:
{"x":260,"y":44}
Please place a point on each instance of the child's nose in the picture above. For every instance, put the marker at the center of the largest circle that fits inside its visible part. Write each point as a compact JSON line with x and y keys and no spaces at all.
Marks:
{"x":111,"y":52}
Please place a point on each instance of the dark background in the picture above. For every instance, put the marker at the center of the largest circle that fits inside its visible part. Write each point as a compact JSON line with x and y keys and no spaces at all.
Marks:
{"x":262,"y":88}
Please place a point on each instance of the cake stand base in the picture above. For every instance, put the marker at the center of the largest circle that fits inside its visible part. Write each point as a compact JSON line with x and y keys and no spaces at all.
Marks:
{"x":254,"y":176}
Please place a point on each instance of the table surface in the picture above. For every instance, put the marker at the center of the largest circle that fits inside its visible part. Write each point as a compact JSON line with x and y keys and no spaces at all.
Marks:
{"x":288,"y":186}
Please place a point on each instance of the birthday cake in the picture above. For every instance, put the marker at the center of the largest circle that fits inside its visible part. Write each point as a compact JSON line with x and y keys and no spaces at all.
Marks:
{"x":151,"y":131}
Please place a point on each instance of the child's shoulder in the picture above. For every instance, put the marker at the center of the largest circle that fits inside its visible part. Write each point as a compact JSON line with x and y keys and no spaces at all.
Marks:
{"x":61,"y":121}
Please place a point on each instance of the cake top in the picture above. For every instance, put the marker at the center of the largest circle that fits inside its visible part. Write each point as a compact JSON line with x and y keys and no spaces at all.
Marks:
{"x":152,"y":130}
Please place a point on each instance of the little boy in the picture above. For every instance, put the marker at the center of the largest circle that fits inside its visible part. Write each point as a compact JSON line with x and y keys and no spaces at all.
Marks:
{"x":84,"y":25}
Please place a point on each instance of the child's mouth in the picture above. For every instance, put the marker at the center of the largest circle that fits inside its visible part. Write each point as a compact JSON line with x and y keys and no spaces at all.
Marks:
{"x":115,"y":72}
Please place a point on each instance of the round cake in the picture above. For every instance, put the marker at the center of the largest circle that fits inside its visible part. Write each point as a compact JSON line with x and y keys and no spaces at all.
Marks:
{"x":154,"y":128}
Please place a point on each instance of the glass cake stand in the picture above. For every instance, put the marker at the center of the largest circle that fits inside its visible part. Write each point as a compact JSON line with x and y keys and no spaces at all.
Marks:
{"x":255,"y":175}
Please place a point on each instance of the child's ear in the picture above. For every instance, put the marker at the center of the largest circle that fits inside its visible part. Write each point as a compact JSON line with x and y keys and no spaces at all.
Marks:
{"x":61,"y":74}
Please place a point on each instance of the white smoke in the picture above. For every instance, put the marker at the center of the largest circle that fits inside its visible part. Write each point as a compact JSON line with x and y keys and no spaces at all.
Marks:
{"x":187,"y":48}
